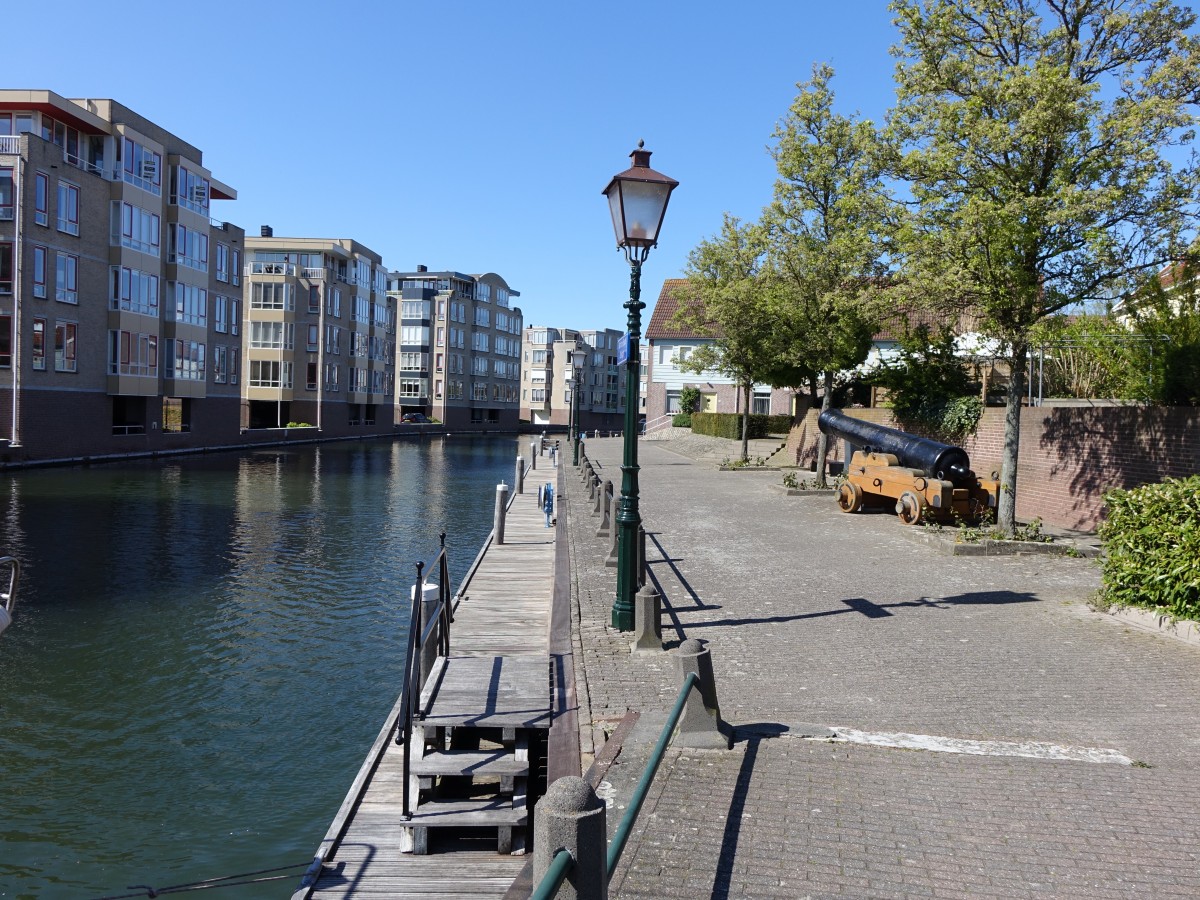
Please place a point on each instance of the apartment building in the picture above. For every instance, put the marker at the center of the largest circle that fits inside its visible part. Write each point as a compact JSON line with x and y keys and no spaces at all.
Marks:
{"x":320,"y":336}
{"x":459,"y":354}
{"x":119,"y":293}
{"x":556,"y":361}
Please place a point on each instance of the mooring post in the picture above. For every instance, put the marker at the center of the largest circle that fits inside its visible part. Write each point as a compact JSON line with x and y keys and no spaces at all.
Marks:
{"x":533,"y":448}
{"x":647,"y":621}
{"x":607,"y":520}
{"x":602,"y":498}
{"x":700,"y":726}
{"x":520,"y":479}
{"x":498,"y":519}
{"x":429,"y":601}
{"x":614,"y":506}
{"x":571,"y":817}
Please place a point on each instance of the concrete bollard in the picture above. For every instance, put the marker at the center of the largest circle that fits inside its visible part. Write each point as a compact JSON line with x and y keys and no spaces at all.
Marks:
{"x":608,"y":522}
{"x":647,"y":621}
{"x":498,"y":519}
{"x":570,"y":816}
{"x":700,"y":726}
{"x":520,"y":479}
{"x":533,"y":448}
{"x":593,"y":483}
{"x":614,"y":504}
{"x":601,"y":498}
{"x":429,"y":602}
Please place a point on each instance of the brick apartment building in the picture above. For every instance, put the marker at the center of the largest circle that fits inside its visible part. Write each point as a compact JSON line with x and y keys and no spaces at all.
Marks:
{"x":120,"y":296}
{"x":555,"y":361}
{"x":320,"y":336}
{"x":459,"y":353}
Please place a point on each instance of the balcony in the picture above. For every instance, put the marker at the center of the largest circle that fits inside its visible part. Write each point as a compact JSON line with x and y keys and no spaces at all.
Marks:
{"x":270,"y":268}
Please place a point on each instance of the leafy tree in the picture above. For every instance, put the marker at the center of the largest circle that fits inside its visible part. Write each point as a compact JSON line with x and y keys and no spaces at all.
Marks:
{"x":825,"y":237}
{"x":1168,"y":320}
{"x":1033,"y":136}
{"x":727,"y":303}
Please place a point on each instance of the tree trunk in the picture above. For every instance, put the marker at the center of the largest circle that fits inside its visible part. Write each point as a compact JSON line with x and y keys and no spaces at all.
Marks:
{"x":746,"y":422}
{"x":813,"y":394}
{"x":822,"y":437}
{"x":1006,"y":515}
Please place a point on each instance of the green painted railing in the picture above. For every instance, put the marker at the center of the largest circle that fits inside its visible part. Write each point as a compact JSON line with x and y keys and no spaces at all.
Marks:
{"x":560,"y":867}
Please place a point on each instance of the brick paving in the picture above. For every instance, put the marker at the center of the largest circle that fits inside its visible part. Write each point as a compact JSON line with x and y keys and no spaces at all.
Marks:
{"x":815,"y":617}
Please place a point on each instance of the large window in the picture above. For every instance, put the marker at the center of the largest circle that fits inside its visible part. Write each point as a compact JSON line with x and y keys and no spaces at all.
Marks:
{"x":220,"y":313}
{"x":41,"y":198}
{"x":236,"y":266}
{"x":132,"y":353}
{"x":6,"y":193}
{"x":362,"y":310}
{"x":134,"y":290}
{"x":272,"y":335}
{"x":190,"y":303}
{"x":39,"y":272}
{"x":68,"y":207}
{"x":6,"y":268}
{"x":272,"y":296}
{"x":135,"y":228}
{"x":64,"y":347}
{"x":66,"y":285}
{"x":5,"y":341}
{"x":220,"y":365}
{"x":413,"y":362}
{"x":188,"y":247}
{"x":222,"y":261}
{"x":184,"y":361}
{"x":189,"y":189}
{"x":141,"y":166}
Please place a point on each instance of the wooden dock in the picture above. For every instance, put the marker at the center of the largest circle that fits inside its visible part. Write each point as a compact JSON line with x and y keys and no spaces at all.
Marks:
{"x":500,"y":639}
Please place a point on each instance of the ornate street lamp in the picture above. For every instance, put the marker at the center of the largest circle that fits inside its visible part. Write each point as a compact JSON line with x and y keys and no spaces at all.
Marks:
{"x":576,"y":377}
{"x":637,"y":200}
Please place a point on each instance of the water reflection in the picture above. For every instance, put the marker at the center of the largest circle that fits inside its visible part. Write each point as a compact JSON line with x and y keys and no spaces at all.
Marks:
{"x":205,"y":648}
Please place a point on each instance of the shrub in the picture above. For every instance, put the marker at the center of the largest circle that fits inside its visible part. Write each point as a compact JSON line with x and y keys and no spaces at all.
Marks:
{"x":1152,"y":547}
{"x":689,"y":399}
{"x":682,"y":420}
{"x":299,"y":425}
{"x":729,"y":425}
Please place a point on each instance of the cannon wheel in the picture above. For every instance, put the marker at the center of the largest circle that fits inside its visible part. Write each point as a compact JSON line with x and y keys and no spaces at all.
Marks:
{"x":908,"y":508}
{"x":850,"y":497}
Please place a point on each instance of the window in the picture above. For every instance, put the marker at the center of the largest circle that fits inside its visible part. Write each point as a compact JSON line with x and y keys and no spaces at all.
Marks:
{"x":39,"y":345}
{"x":333,"y":339}
{"x":41,"y":198}
{"x":272,"y":335}
{"x":188,"y":247}
{"x":416,"y":334}
{"x":184,"y":361}
{"x":235,"y":317}
{"x":236,"y":267}
{"x":6,"y":268}
{"x":64,"y":347}
{"x":222,"y":262}
{"x":272,"y":296}
{"x":132,"y":353}
{"x":761,"y":404}
{"x":314,"y":298}
{"x":190,"y":303}
{"x":190,"y":190}
{"x":135,"y":228}
{"x":66,"y":285}
{"x":134,"y":290}
{"x":39,"y":272}
{"x":310,"y":377}
{"x":5,"y":341}
{"x":331,"y":377}
{"x":141,"y":167}
{"x":483,"y":316}
{"x":411,"y":387}
{"x":68,"y":208}
{"x":6,"y":193}
{"x":233,"y":364}
{"x":333,"y":303}
{"x":362,"y":310}
{"x":220,"y":314}
{"x":220,"y":365}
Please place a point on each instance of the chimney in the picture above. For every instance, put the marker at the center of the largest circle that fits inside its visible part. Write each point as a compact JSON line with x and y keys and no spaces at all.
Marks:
{"x":421,"y":268}
{"x":266,"y":231}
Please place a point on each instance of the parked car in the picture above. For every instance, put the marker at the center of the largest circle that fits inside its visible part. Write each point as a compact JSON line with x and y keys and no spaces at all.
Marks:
{"x":415,"y":418}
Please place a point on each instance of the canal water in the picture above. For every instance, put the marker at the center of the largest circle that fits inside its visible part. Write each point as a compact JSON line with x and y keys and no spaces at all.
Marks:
{"x":204,"y":649}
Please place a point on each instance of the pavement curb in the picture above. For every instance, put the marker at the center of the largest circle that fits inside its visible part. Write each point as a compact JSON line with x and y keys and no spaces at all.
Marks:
{"x":946,"y":542}
{"x":1160,"y":623}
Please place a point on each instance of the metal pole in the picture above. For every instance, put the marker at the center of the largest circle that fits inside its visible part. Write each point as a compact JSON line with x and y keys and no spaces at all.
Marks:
{"x":576,"y":374}
{"x":628,"y":517}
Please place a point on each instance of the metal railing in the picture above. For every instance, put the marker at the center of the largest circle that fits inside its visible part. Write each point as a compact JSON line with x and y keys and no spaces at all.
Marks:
{"x":659,"y":424}
{"x":563,"y":862}
{"x":436,"y":628}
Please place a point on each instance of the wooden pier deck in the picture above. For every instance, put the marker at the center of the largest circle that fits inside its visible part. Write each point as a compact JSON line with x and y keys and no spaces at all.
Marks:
{"x":505,"y":612}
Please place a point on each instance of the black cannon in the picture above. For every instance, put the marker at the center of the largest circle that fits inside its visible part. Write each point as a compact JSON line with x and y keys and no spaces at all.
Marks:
{"x":925,"y":478}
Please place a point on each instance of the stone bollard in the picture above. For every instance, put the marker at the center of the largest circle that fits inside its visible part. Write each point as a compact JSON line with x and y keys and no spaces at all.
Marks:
{"x":601,"y":498}
{"x":498,"y":519}
{"x":593,"y":483}
{"x":570,"y":816}
{"x":647,"y":621}
{"x":614,"y":504}
{"x":520,"y":479}
{"x":533,"y":447}
{"x":700,"y":726}
{"x":608,"y":523}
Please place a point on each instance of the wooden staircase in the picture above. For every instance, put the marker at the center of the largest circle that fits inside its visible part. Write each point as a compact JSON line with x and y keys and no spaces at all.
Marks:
{"x":476,"y":740}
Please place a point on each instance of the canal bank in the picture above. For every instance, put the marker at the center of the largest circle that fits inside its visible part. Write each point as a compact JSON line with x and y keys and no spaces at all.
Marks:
{"x":906,"y":724}
{"x":203,"y":639}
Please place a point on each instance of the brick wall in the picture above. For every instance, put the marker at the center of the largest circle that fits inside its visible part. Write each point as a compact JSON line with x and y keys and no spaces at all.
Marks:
{"x":1068,"y":456}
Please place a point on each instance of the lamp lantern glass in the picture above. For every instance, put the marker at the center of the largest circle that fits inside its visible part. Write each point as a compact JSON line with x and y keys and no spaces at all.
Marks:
{"x":637,"y":202}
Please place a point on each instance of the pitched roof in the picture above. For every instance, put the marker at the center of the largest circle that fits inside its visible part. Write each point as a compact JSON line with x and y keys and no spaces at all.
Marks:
{"x":673,"y":297}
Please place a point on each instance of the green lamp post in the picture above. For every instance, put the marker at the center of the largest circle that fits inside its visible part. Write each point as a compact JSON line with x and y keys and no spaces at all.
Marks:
{"x":637,"y":200}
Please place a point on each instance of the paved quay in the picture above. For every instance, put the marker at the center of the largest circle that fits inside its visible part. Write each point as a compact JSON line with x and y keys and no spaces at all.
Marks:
{"x":1077,"y":771}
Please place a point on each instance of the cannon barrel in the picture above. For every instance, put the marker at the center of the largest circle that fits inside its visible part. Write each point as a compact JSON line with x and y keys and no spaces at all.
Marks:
{"x":937,"y":460}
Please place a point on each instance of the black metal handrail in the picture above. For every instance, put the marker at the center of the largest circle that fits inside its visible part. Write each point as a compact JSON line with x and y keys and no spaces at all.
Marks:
{"x":437,"y":627}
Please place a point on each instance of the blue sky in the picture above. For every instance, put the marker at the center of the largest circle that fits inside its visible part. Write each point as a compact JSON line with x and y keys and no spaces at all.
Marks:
{"x":469,"y":135}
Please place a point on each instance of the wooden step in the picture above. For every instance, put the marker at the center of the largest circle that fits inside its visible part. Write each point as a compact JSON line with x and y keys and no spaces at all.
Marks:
{"x":508,"y":692}
{"x":482,"y":763}
{"x":468,"y":813}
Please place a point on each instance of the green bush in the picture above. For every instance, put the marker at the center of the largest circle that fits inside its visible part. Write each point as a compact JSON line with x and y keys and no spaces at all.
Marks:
{"x":729,"y":425}
{"x":1152,"y":547}
{"x":682,"y":420}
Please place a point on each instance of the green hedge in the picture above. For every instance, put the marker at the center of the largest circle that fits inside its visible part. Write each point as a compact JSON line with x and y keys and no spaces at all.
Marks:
{"x":729,"y":425}
{"x":1152,"y":547}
